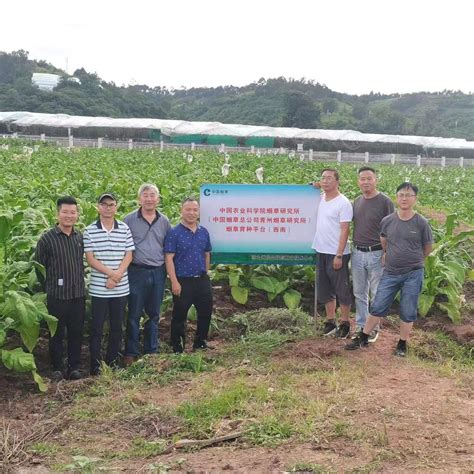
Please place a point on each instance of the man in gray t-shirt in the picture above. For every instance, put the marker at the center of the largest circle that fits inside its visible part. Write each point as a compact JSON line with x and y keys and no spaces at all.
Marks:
{"x":406,"y":240}
{"x":366,"y":259}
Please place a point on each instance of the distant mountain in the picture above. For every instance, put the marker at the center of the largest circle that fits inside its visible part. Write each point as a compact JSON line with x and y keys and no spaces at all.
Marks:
{"x":272,"y":102}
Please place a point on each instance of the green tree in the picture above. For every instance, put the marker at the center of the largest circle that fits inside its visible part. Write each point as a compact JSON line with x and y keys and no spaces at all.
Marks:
{"x":301,"y":111}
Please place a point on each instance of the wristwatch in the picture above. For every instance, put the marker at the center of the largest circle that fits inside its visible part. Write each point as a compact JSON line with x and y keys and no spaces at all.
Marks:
{"x":339,"y":256}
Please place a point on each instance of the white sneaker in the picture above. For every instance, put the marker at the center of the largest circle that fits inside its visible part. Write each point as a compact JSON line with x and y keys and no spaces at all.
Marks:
{"x":374,"y":335}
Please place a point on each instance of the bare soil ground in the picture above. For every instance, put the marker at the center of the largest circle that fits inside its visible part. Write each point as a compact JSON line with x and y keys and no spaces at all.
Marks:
{"x":394,"y":415}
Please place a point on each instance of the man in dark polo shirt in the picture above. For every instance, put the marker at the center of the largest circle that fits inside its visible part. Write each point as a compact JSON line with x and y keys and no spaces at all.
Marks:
{"x":146,"y":273}
{"x":61,"y":252}
{"x":366,"y":259}
{"x":188,"y":257}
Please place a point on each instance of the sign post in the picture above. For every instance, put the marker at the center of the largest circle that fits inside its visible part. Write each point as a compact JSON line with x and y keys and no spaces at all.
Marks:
{"x":257,"y":224}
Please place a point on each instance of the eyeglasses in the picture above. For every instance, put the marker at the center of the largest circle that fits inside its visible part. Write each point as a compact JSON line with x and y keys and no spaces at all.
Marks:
{"x":405,"y":195}
{"x":109,"y":205}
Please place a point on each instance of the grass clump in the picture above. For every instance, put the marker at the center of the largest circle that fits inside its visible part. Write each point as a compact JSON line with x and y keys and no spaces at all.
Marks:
{"x":293,"y":323}
{"x":201,"y":416}
{"x":142,"y":448}
{"x":309,"y":468}
{"x":259,"y":332}
{"x":269,"y":431}
{"x":441,"y":349}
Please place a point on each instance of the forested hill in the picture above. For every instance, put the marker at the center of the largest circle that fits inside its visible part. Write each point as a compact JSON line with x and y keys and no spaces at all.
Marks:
{"x":273,"y":102}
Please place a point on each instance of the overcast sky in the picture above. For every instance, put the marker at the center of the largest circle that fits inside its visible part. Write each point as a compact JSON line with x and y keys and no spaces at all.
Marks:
{"x":353,"y":46}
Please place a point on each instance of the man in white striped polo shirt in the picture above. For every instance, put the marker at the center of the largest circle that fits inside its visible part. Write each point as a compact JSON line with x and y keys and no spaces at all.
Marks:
{"x":108,"y":245}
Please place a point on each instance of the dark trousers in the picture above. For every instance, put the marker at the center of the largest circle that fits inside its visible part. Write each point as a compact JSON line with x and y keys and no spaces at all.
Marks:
{"x":70,"y":315}
{"x":197,"y":292}
{"x":115,"y":308}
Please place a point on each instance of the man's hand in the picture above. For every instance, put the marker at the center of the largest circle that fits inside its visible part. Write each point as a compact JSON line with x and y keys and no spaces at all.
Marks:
{"x":316,"y":184}
{"x":382,"y":259}
{"x":116,"y":276}
{"x":337,"y":262}
{"x":110,"y":283}
{"x":176,"y":288}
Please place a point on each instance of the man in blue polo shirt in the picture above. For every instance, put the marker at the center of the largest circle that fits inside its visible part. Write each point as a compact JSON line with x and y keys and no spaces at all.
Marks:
{"x":108,"y":246}
{"x":188,"y":256}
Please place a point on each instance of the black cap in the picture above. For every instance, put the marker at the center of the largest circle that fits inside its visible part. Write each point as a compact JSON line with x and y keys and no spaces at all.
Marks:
{"x":107,"y":195}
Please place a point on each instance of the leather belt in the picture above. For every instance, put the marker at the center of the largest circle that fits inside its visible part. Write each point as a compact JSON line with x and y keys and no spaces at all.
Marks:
{"x":372,"y":248}
{"x":146,"y":267}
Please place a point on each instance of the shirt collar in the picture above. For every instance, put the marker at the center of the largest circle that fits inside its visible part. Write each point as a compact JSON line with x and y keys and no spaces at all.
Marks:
{"x":140,"y":214}
{"x":58,"y":230}
{"x":187,"y":228}
{"x":99,"y":224}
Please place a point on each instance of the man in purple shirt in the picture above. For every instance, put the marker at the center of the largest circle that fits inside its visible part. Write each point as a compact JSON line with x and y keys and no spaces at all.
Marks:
{"x":187,"y":256}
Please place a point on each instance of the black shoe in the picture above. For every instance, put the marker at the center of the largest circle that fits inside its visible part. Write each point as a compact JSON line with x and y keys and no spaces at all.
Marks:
{"x":178,"y":349}
{"x":75,"y":375}
{"x":359,"y":342}
{"x":401,"y":349}
{"x":343,"y":330}
{"x":57,"y":376}
{"x":330,"y":328}
{"x":201,"y":345}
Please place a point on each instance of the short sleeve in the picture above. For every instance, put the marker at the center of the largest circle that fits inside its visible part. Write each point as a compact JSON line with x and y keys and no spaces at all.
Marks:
{"x":208,"y":243}
{"x":390,"y":207}
{"x":346,"y":212}
{"x":171,"y":242}
{"x":427,"y":234}
{"x":87,"y":242}
{"x":130,"y":245}
{"x":383,"y":227}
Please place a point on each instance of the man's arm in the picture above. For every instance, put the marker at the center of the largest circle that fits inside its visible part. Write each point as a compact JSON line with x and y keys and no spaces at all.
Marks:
{"x":383,"y":242}
{"x":41,"y":256}
{"x":115,"y":275}
{"x":343,"y":236}
{"x":427,"y":249}
{"x":207,"y":255}
{"x":169,"y":262}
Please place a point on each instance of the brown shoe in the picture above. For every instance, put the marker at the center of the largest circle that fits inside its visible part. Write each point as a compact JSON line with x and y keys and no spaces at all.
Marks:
{"x":128,"y":361}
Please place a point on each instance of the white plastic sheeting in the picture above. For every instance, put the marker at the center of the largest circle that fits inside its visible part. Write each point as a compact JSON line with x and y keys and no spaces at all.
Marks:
{"x":181,"y":127}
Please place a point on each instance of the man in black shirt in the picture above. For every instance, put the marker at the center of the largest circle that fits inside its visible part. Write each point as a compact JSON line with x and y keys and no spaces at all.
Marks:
{"x":61,"y":252}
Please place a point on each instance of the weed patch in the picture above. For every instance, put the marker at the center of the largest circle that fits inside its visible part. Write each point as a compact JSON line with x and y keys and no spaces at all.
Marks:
{"x":442,"y":350}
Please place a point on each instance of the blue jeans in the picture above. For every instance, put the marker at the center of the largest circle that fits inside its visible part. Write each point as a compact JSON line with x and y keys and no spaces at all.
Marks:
{"x":409,"y":284}
{"x":367,"y":271}
{"x":147,"y":287}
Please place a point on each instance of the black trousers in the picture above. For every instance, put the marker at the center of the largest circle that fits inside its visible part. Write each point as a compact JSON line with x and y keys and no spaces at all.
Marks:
{"x":70,"y":314}
{"x":197,"y":292}
{"x":115,"y":309}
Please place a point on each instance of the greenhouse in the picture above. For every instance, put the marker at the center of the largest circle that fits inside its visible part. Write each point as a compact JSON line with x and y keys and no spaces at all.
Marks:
{"x":216,"y":133}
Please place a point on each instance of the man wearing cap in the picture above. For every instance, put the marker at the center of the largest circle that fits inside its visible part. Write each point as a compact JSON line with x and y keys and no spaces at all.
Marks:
{"x":108,"y":245}
{"x":61,"y":252}
{"x":188,"y":257}
{"x":147,"y":273}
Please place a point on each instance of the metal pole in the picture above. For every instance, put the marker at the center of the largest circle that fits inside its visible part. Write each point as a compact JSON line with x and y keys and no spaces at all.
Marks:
{"x":315,"y":312}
